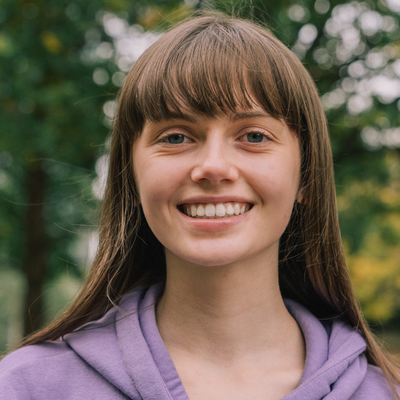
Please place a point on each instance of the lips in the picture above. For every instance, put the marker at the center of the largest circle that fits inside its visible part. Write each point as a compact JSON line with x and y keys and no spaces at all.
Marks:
{"x":214,"y":210}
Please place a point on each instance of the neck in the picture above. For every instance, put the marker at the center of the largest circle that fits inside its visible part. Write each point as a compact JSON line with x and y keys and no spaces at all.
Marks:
{"x":230,"y":311}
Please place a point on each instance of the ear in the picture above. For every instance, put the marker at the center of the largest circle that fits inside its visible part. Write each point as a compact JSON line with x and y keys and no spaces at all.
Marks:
{"x":302,"y":196}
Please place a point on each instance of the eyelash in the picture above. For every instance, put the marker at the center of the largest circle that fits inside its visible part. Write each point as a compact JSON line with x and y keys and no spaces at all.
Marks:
{"x":266,"y":137}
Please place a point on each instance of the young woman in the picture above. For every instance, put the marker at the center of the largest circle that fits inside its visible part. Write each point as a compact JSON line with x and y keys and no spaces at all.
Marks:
{"x":220,"y":271}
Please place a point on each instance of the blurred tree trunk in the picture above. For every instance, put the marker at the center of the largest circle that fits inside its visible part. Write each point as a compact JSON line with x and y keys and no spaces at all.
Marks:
{"x":37,"y":244}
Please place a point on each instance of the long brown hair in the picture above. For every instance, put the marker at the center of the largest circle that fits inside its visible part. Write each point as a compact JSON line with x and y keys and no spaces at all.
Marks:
{"x":209,"y":65}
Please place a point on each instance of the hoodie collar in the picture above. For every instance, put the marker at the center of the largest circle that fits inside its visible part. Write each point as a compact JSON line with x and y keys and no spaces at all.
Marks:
{"x":125,"y":347}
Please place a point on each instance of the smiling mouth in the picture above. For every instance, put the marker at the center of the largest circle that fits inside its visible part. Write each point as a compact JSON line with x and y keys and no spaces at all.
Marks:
{"x":214,"y":211}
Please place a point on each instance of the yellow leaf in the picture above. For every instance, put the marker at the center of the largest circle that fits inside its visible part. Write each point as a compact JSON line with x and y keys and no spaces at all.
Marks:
{"x":5,"y":45}
{"x":51,"y":42}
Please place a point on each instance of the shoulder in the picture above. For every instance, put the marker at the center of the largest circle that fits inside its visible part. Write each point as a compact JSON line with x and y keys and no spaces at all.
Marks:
{"x":374,"y":386}
{"x":39,"y":354}
{"x":37,"y":369}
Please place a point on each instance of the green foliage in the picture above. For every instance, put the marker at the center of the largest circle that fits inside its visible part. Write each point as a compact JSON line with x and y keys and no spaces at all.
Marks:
{"x":51,"y":111}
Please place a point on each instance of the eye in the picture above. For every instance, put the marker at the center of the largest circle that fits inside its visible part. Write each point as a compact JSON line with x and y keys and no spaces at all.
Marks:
{"x":175,"y":138}
{"x":254,"y":137}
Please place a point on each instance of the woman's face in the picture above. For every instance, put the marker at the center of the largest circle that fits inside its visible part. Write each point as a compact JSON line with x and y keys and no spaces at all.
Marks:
{"x":220,"y":190}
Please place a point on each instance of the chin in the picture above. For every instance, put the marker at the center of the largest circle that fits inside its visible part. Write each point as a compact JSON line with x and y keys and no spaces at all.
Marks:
{"x":212,"y":260}
{"x":212,"y":263}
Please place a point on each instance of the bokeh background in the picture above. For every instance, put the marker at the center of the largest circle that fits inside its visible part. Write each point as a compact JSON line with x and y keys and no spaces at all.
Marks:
{"x":61,"y":66}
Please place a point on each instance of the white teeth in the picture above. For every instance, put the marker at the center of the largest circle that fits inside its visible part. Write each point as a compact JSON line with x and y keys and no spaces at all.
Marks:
{"x":200,"y":211}
{"x":229,"y":209}
{"x":220,"y":210}
{"x":210,"y":210}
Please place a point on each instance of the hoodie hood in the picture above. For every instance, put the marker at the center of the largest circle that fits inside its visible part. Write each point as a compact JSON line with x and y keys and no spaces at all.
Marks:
{"x":118,"y":347}
{"x":126,"y":348}
{"x":335,"y":362}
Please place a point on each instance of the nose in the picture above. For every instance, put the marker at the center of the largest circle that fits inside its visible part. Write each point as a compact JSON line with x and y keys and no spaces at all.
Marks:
{"x":215,"y":164}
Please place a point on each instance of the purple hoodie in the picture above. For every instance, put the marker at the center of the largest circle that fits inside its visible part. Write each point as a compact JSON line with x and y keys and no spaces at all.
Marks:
{"x":122,"y":356}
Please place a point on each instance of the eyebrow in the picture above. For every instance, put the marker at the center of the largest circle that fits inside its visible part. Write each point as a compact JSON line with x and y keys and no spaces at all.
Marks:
{"x":249,"y":114}
{"x":235,"y":117}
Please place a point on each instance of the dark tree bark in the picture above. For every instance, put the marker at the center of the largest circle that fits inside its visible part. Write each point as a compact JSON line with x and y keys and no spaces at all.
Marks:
{"x":35,"y":267}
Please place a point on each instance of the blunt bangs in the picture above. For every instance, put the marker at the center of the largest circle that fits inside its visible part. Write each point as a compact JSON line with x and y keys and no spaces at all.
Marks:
{"x":211,"y":68}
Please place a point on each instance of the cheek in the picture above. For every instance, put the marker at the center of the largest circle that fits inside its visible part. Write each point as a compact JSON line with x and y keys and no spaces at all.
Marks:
{"x":157,"y":181}
{"x":279,"y":181}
